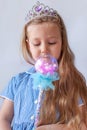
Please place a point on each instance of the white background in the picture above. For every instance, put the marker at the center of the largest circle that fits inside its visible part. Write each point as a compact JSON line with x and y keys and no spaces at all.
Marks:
{"x":12,"y":15}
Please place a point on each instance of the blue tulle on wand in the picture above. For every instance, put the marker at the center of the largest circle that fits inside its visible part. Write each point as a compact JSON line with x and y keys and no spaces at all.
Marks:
{"x":44,"y":81}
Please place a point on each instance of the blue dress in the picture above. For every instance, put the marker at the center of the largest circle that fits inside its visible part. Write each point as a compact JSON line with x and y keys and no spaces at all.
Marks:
{"x":20,"y":91}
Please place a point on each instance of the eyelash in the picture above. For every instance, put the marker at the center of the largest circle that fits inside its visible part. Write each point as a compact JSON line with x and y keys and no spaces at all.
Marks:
{"x":50,"y":43}
{"x":36,"y":44}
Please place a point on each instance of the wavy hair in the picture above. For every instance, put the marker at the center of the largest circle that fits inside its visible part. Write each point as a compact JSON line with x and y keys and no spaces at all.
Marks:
{"x":61,"y":104}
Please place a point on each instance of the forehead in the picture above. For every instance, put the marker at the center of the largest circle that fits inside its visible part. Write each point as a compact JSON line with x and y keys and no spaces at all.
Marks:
{"x":45,"y":28}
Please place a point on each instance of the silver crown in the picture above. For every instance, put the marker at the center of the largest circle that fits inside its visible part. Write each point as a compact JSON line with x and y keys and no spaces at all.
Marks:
{"x":40,"y":10}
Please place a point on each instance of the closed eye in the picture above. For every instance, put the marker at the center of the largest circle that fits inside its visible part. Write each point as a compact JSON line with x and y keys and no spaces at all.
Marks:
{"x":36,"y":44}
{"x":51,"y":43}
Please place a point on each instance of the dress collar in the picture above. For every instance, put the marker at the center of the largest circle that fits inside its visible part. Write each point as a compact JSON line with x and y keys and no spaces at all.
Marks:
{"x":31,"y":70}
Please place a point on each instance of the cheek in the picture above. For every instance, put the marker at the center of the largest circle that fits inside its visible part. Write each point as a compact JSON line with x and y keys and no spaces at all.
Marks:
{"x":34,"y":52}
{"x":57,"y":51}
{"x":31,"y":48}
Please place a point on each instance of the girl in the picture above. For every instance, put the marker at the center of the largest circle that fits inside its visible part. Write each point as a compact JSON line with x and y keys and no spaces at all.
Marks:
{"x":65,"y":107}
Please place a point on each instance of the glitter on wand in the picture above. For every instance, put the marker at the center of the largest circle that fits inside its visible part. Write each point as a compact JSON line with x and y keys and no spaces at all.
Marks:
{"x":46,"y":72}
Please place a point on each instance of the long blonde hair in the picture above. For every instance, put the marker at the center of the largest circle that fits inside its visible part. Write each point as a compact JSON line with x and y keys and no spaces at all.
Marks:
{"x":61,"y":105}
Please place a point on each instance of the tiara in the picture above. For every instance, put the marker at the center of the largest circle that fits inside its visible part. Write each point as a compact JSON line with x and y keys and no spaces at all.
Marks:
{"x":40,"y":10}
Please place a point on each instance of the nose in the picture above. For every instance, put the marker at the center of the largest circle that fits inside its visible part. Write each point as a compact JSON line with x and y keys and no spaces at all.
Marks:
{"x":44,"y":48}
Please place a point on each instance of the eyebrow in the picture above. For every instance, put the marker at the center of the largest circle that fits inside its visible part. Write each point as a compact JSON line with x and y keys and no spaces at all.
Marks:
{"x":36,"y":39}
{"x":52,"y":36}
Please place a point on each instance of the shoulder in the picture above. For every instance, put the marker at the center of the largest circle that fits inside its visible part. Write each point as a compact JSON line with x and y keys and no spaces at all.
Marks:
{"x":17,"y":82}
{"x":23,"y":75}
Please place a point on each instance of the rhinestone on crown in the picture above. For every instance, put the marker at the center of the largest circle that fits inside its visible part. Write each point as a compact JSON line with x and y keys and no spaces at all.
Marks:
{"x":40,"y":10}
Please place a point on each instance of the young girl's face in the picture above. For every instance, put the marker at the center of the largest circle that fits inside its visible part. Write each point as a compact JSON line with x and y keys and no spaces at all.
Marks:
{"x":44,"y":38}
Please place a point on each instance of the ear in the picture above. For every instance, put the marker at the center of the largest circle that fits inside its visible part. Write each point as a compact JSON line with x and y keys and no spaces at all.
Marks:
{"x":27,"y":44}
{"x":27,"y":41}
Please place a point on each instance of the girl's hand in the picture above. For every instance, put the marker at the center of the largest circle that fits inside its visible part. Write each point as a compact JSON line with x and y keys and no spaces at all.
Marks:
{"x":60,"y":127}
{"x":54,"y":127}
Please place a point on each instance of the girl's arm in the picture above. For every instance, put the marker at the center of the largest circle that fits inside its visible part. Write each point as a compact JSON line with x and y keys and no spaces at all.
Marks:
{"x":63,"y":126}
{"x":83,"y":111}
{"x":54,"y":127}
{"x":59,"y":127}
{"x":6,"y":115}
